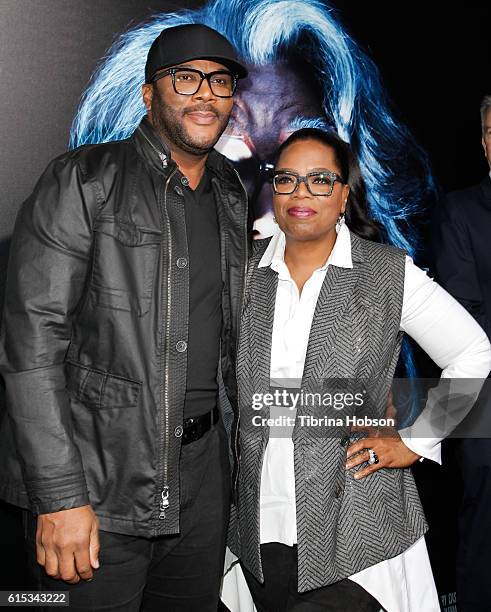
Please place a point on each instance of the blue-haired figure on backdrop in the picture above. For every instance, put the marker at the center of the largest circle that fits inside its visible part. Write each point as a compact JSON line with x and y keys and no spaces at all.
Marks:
{"x":304,"y":71}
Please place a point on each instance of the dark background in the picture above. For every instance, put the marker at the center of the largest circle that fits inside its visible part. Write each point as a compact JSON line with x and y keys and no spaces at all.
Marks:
{"x":435,"y":65}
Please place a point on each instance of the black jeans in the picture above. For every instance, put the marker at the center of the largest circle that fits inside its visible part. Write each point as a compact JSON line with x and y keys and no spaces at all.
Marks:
{"x":279,"y":592}
{"x":179,"y":573}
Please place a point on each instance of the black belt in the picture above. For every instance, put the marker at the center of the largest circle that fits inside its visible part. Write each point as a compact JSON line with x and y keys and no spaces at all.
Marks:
{"x":196,"y":427}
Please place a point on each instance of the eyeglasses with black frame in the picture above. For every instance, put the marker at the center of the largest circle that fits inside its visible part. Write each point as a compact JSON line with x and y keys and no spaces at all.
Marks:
{"x":319,"y":183}
{"x":187,"y":81}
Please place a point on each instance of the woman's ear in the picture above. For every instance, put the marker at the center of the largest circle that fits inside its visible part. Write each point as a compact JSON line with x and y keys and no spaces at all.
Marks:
{"x":345,"y":197}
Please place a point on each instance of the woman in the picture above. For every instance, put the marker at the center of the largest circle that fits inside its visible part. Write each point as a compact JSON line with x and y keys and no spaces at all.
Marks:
{"x":328,"y":521}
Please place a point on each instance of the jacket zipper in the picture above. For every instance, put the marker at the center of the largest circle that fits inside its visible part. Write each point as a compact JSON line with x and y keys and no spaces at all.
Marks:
{"x":239,"y":313}
{"x":164,"y":502}
{"x":162,"y":156}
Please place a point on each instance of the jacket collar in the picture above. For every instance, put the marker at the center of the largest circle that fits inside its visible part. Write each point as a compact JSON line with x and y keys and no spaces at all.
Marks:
{"x":151,"y":147}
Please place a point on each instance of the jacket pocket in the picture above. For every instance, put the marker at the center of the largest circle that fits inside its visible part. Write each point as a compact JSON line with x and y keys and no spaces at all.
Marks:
{"x":125,"y":258}
{"x":99,"y":389}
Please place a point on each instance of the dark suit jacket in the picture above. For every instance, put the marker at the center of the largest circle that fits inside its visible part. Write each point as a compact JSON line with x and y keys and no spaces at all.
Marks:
{"x":462,"y":249}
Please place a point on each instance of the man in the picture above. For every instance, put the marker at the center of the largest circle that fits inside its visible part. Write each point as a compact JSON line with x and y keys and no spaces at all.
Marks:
{"x":123,"y":297}
{"x":463,"y":266}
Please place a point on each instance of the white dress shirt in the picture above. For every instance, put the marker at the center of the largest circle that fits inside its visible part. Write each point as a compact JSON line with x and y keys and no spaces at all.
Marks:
{"x":443,"y":329}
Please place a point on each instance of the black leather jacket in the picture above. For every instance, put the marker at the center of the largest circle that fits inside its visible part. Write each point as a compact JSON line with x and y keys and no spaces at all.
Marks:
{"x":94,"y":332}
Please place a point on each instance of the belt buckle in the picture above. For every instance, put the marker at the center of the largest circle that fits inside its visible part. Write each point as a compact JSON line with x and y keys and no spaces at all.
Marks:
{"x":195,"y":427}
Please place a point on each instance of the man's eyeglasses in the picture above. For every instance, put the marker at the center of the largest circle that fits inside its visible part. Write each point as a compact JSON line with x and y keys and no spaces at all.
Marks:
{"x":187,"y":81}
{"x":318,"y":183}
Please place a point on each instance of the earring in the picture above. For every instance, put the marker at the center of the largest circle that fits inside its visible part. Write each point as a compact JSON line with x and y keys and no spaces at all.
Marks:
{"x":274,"y":220}
{"x":340,"y":221}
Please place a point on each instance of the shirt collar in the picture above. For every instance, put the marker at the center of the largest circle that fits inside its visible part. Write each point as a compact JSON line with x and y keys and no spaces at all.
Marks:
{"x":274,"y":255}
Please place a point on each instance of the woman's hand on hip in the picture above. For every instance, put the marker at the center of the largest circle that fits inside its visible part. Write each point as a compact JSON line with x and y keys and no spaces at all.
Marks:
{"x":383,"y":448}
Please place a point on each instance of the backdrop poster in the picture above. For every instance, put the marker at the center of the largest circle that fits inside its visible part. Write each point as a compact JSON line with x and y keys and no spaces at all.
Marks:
{"x":64,"y":83}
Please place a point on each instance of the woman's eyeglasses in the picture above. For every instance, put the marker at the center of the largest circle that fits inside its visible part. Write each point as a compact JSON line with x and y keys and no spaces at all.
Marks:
{"x":318,"y":183}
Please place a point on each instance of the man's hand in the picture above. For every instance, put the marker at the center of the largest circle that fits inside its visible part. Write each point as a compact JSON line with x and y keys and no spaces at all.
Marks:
{"x":67,"y":543}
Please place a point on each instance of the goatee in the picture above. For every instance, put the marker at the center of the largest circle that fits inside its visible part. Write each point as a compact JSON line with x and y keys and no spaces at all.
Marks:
{"x":170,"y":127}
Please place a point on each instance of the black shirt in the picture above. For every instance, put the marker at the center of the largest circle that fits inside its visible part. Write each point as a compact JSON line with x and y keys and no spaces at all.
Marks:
{"x":205,"y":297}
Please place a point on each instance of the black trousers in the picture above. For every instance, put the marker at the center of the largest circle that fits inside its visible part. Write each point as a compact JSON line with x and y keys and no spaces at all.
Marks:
{"x":474,"y":548}
{"x":179,"y":573}
{"x":279,"y":592}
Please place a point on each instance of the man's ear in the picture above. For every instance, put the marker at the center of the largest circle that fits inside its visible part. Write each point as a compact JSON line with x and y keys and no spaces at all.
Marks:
{"x":147,"y":94}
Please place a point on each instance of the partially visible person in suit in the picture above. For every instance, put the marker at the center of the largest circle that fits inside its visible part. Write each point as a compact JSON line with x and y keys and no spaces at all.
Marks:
{"x":462,"y":233}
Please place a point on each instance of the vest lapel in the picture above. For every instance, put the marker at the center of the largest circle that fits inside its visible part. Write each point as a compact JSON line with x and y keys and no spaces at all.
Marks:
{"x":263,"y":304}
{"x":335,"y":294}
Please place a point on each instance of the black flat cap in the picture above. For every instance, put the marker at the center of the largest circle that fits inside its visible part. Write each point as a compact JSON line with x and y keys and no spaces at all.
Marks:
{"x":183,"y":43}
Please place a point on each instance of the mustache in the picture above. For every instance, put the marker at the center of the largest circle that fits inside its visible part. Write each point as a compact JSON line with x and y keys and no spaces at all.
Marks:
{"x":203,"y":108}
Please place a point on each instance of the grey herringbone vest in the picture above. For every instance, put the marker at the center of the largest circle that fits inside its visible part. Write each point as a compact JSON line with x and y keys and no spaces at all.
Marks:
{"x":343,"y":525}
